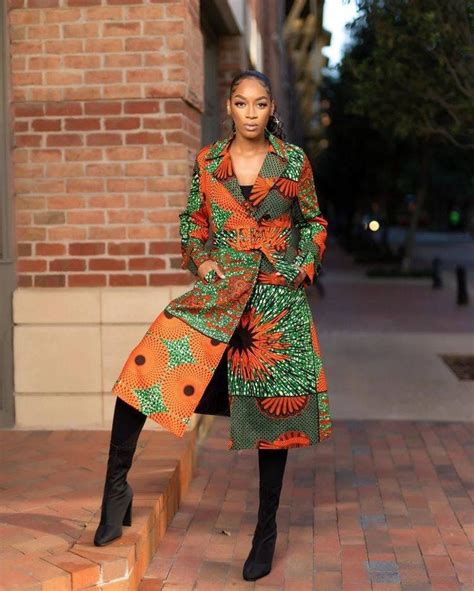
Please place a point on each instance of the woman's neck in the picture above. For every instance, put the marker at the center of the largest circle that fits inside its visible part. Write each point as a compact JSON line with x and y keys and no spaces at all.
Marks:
{"x":248,"y":146}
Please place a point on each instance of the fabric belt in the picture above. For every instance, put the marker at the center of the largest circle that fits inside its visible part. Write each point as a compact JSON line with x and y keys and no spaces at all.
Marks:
{"x":271,"y":240}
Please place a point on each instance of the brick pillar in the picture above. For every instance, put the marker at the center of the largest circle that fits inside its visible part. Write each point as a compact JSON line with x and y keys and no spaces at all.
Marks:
{"x":107,"y":97}
{"x":231,"y":60}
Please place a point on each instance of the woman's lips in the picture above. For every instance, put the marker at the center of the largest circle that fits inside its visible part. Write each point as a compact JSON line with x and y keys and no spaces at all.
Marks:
{"x":249,"y":126}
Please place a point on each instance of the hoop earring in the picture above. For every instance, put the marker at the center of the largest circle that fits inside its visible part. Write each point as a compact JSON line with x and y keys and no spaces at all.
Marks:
{"x":274,"y":116}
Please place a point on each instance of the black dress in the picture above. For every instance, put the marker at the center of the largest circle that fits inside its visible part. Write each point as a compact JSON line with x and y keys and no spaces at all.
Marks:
{"x":246,"y":190}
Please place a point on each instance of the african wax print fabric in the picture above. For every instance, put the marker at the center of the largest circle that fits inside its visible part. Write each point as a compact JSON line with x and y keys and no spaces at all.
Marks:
{"x":254,"y":322}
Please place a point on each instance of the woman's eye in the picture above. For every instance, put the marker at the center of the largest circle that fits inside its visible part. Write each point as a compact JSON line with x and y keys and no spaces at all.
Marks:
{"x":259,"y":104}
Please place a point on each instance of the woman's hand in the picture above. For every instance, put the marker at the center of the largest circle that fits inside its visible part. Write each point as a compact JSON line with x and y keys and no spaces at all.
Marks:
{"x":209,"y":265}
{"x":299,"y":278}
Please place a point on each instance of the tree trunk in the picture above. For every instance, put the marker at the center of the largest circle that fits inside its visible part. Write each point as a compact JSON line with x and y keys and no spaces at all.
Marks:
{"x":425,"y":153}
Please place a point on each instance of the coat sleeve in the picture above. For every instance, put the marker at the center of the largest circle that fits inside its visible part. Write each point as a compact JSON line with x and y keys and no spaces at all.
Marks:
{"x":194,"y":225}
{"x":312,"y":225}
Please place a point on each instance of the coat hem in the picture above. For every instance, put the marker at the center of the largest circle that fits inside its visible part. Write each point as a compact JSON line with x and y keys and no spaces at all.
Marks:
{"x":129,"y":397}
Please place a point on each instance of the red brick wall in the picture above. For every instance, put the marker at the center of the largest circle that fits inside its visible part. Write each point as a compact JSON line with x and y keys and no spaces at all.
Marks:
{"x":232,"y":59}
{"x":106,"y":103}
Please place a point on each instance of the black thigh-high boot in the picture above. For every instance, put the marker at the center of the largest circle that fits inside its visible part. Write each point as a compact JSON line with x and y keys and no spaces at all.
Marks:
{"x":271,"y":464}
{"x":117,"y":499}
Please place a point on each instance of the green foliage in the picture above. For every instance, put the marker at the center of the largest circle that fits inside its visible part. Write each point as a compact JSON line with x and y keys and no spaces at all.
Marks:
{"x":412,"y":69}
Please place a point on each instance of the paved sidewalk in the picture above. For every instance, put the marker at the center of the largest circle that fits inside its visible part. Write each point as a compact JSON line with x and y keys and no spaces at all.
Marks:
{"x":382,"y":341}
{"x":382,"y":506}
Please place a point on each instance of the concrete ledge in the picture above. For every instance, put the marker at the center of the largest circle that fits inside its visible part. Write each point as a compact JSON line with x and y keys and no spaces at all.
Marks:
{"x":69,"y":346}
{"x":91,"y":305}
{"x":53,"y":483}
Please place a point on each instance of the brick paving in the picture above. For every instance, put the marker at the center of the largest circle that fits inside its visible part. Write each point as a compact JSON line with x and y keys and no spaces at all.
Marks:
{"x":51,"y":486}
{"x":382,"y":506}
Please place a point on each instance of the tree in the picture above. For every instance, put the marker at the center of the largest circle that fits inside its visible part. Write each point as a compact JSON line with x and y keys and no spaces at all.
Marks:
{"x":416,"y":82}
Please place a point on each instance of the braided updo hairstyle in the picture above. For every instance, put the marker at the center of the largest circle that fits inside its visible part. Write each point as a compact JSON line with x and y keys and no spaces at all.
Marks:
{"x":275,"y":124}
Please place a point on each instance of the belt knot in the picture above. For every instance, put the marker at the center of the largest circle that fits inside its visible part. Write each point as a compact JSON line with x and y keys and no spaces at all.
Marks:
{"x":268,"y":239}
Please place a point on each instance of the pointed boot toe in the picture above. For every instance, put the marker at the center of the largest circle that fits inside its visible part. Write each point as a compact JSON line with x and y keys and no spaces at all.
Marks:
{"x":109,"y":531}
{"x":260,"y":558}
{"x":106,"y":534}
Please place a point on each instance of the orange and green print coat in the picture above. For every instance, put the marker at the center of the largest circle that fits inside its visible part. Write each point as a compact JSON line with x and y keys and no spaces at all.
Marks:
{"x":254,"y":322}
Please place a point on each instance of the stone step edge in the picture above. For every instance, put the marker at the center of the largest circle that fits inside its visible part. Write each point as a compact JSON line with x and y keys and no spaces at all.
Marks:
{"x":121,"y":565}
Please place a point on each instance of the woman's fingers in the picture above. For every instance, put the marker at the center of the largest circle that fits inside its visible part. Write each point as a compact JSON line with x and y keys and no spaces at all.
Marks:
{"x":219,"y":271}
{"x":204,"y":268}
{"x":298,"y":279}
{"x":208,"y":269}
{"x":301,"y":276}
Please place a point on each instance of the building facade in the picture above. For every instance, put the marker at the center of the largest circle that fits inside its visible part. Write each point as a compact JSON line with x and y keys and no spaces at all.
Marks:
{"x":105,"y":104}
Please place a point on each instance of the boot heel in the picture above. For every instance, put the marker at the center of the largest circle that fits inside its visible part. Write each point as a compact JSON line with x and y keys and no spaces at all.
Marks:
{"x":127,"y":520}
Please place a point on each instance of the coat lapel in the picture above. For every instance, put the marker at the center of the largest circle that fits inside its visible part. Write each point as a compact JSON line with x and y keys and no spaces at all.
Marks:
{"x":273,"y":167}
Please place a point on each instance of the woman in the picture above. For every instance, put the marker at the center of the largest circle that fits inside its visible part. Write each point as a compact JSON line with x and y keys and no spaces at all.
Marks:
{"x":241,"y":342}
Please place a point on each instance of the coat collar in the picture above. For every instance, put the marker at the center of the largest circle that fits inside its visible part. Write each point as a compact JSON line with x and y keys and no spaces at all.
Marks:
{"x":219,"y":165}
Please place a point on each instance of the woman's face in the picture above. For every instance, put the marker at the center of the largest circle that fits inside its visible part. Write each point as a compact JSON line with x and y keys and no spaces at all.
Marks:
{"x":250,"y":107}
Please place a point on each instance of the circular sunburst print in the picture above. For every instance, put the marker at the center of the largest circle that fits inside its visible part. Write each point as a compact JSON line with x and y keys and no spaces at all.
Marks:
{"x":281,"y":407}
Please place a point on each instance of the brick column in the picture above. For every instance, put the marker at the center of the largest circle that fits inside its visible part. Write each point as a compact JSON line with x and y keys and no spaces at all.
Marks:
{"x":232,"y":59}
{"x":106,"y":107}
